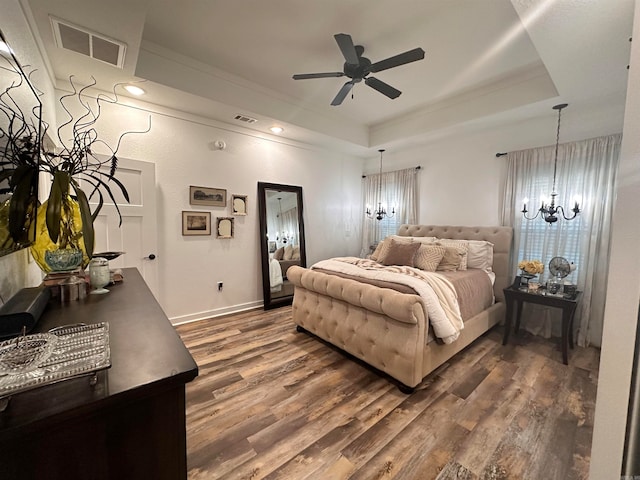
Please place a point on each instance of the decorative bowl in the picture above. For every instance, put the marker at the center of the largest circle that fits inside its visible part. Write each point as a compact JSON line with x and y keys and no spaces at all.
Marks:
{"x":109,"y":255}
{"x":62,"y":260}
{"x":23,"y":354}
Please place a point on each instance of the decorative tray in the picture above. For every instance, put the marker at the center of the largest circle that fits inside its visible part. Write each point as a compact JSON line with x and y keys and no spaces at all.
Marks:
{"x":65,"y":352}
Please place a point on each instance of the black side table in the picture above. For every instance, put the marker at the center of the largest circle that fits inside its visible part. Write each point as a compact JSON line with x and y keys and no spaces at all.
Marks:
{"x":513,"y":295}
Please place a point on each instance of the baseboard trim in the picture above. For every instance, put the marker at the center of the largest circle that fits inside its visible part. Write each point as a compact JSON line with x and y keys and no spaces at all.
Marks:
{"x":220,"y":312}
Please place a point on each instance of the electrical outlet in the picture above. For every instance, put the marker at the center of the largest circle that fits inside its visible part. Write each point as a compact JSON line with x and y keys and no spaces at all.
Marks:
{"x":219,"y":286}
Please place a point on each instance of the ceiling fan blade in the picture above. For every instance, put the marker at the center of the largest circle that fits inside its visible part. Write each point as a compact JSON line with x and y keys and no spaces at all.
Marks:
{"x":383,"y":88}
{"x":345,"y":43}
{"x":397,"y":60}
{"x":305,"y":76}
{"x":344,"y":91}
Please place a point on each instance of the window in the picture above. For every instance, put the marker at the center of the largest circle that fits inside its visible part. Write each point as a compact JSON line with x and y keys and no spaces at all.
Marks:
{"x":394,"y":191}
{"x":586,"y":169}
{"x":543,"y":241}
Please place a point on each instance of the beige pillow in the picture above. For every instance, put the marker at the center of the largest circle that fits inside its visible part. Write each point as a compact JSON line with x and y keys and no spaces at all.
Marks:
{"x":376,"y":253}
{"x":278,"y":254}
{"x":462,"y":244}
{"x":428,"y":257}
{"x":399,"y":239}
{"x":399,"y":253}
{"x":414,"y":239}
{"x":288,"y":252}
{"x":451,"y":260}
{"x":296,"y":253}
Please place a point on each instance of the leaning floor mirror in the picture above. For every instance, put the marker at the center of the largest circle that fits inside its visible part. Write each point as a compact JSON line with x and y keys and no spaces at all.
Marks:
{"x":281,"y":240}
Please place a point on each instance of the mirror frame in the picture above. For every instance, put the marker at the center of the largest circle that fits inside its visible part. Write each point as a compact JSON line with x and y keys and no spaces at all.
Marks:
{"x":269,"y":301}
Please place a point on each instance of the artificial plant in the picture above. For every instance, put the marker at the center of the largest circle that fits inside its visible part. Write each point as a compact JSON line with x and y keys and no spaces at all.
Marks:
{"x":73,"y":162}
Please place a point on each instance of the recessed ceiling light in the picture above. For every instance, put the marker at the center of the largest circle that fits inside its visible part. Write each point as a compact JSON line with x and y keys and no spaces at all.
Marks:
{"x":132,"y":89}
{"x":276,"y":129}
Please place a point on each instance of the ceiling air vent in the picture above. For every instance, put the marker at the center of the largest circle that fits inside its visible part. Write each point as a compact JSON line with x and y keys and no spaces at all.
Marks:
{"x":80,"y":40}
{"x":245,"y":119}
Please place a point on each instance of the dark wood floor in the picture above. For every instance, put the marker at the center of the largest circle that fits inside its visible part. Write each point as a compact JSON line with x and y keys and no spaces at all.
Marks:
{"x":273,"y":403}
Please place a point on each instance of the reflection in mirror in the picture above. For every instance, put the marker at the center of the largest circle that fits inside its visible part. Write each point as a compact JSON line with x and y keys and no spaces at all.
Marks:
{"x":20,"y":135}
{"x":281,"y":240}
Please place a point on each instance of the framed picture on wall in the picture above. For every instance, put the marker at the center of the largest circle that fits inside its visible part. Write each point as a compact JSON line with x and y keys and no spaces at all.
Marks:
{"x":224,"y":227}
{"x":213,"y":197}
{"x":196,"y":223}
{"x":238,"y":204}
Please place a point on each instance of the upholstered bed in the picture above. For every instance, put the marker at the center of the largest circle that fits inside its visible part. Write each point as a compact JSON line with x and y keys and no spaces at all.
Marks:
{"x":389,"y":329}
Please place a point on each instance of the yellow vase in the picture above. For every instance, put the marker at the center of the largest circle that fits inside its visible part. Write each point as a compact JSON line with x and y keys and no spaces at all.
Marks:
{"x":43,"y":242}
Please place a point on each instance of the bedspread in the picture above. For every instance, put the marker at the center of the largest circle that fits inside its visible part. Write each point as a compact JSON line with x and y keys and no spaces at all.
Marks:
{"x":437,"y":294}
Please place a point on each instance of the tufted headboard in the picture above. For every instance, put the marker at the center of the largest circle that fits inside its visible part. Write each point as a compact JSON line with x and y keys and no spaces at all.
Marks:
{"x":501,"y":237}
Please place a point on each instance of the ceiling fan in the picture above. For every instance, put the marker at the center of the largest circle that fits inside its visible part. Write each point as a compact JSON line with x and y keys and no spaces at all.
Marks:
{"x":357,"y":68}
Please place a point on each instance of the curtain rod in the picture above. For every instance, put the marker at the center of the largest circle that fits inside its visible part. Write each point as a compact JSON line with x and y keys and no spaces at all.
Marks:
{"x":501,"y":154}
{"x":417,"y":168}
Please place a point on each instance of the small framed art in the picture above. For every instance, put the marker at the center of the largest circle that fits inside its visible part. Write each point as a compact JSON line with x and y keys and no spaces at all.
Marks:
{"x":238,"y":204}
{"x":224,"y":227}
{"x":196,"y":223}
{"x":213,"y":197}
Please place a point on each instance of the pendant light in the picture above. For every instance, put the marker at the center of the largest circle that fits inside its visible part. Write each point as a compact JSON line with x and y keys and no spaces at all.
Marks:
{"x":381,"y":212}
{"x":281,"y":236}
{"x":549,"y":212}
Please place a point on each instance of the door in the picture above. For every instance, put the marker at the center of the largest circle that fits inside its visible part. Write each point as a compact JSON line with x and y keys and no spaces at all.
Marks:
{"x":137,"y":236}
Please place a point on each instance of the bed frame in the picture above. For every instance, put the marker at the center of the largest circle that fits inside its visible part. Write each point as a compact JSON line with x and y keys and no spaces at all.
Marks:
{"x":388,"y":329}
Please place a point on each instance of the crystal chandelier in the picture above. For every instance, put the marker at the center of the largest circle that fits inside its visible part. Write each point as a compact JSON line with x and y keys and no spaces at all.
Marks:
{"x":549,"y":212}
{"x":380,"y":212}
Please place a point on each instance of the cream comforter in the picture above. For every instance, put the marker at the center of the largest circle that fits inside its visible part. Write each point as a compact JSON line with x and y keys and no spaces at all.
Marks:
{"x":437,"y":294}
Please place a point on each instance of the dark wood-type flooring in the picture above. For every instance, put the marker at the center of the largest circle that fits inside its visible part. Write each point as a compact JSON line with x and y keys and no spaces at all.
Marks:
{"x":274,"y":403}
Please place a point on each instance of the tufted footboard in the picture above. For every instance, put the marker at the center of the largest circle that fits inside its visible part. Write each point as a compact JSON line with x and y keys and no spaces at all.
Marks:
{"x":388,"y":329}
{"x":384,"y":328}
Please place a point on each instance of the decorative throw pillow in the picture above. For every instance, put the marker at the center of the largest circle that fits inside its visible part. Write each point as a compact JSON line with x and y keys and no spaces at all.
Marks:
{"x":461,"y":244}
{"x":451,"y":260}
{"x":376,"y":253}
{"x":296,"y":253}
{"x":278,"y":254}
{"x":288,"y":252}
{"x":399,"y":253}
{"x":375,"y":256}
{"x":428,"y":257}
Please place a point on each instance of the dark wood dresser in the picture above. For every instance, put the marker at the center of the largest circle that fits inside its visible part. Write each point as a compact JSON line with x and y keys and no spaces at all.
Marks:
{"x":131,"y":424}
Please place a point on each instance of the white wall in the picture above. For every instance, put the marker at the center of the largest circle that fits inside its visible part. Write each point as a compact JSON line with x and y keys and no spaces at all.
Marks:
{"x":180,"y":147}
{"x":462,"y":181}
{"x":623,"y":292}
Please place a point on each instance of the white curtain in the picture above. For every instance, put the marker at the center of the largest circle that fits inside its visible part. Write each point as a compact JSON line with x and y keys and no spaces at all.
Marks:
{"x":289,"y":227}
{"x":395,"y":191}
{"x":587,"y":170}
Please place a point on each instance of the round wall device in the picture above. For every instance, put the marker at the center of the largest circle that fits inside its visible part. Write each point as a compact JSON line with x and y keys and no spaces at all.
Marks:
{"x":219,"y":145}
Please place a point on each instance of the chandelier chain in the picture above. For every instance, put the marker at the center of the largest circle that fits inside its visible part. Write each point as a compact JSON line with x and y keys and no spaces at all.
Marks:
{"x":555,"y":162}
{"x":550,"y":212}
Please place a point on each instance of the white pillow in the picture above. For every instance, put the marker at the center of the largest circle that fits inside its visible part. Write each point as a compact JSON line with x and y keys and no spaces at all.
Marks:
{"x":480,"y":255}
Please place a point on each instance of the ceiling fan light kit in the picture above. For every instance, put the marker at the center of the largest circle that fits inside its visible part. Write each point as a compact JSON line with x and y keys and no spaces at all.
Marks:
{"x":358,"y":68}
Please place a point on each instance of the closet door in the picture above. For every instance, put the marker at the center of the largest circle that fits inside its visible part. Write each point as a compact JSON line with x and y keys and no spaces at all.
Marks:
{"x":137,"y":236}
